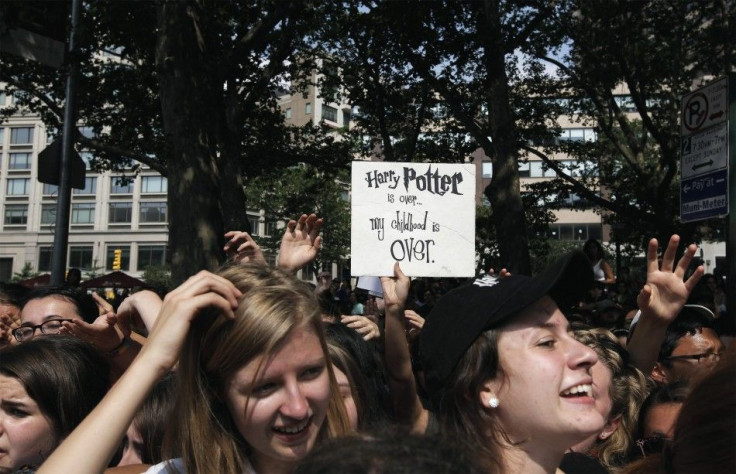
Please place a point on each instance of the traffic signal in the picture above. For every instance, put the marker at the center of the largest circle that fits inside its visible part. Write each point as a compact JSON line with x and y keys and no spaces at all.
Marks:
{"x":117,"y":261}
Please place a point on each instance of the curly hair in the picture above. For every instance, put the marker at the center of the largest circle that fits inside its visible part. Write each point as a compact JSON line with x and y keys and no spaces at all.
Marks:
{"x":628,"y":389}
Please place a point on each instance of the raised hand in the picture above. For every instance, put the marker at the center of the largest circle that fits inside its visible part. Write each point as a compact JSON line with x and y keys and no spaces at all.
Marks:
{"x":103,"y":306}
{"x":301,"y":242}
{"x":9,"y":320}
{"x":362,"y":325}
{"x":139,"y":309}
{"x":103,"y":333}
{"x":665,"y":293}
{"x":241,"y":247}
{"x":395,"y":289}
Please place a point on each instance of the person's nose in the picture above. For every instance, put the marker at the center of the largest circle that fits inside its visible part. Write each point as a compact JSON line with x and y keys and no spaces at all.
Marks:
{"x":582,"y":355}
{"x":295,"y":404}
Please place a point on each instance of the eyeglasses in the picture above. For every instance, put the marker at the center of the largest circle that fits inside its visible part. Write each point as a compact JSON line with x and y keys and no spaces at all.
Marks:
{"x":651,"y":445}
{"x":711,"y":358}
{"x":52,"y":326}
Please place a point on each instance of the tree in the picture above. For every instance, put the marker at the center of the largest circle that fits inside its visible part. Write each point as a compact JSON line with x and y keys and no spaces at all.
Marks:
{"x":626,"y":68}
{"x":400,"y":60}
{"x":25,"y":273}
{"x":288,"y":193}
{"x":184,"y":87}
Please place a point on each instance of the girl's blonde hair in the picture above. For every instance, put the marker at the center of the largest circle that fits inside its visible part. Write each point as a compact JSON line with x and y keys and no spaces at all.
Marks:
{"x":273,"y":304}
{"x":627,"y":390}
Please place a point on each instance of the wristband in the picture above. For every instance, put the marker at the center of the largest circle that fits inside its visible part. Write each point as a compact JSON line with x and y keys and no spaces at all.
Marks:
{"x":122,"y":347}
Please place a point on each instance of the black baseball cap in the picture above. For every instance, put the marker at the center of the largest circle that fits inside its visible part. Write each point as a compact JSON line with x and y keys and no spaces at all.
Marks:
{"x":461,"y":315}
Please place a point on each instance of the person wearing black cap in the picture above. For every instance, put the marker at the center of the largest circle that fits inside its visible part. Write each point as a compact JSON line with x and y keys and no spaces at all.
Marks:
{"x":503,"y":373}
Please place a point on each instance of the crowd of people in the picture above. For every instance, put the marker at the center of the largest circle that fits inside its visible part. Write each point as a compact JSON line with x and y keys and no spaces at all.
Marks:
{"x":249,"y":370}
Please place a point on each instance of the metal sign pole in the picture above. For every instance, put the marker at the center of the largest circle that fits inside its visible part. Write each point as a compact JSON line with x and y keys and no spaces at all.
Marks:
{"x":61,"y":233}
{"x":731,"y":225}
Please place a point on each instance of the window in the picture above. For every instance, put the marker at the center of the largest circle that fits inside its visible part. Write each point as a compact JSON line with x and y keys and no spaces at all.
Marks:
{"x":151,"y":255}
{"x":308,"y":108}
{"x":577,"y":135}
{"x":288,"y":113}
{"x":90,"y":186}
{"x":124,"y":256}
{"x":254,"y":224}
{"x":487,"y":169}
{"x":524,"y":170}
{"x":80,"y":257}
{"x":48,"y":214}
{"x":16,"y":214}
{"x":18,"y":186}
{"x":121,"y":185}
{"x":270,"y":228}
{"x":50,"y":189}
{"x":345,"y":117}
{"x":536,"y":170}
{"x":329,"y":113}
{"x":83,"y":213}
{"x":19,"y":161}
{"x":21,"y":136}
{"x":153,"y":184}
{"x":2,"y":99}
{"x":2,"y":130}
{"x":153,"y":212}
{"x":120,"y":213}
{"x":44,"y":259}
{"x":580,"y":232}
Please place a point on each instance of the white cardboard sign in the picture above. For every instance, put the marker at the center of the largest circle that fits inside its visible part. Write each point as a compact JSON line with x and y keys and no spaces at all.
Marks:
{"x":420,"y":214}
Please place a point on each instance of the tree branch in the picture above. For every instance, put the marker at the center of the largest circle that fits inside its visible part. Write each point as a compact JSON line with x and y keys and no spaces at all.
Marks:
{"x":120,"y":152}
{"x":579,"y":188}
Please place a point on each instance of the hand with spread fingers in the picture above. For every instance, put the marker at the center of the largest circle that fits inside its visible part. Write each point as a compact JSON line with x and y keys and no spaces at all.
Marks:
{"x":660,"y":301}
{"x":364,"y":326}
{"x":301,"y":242}
{"x":241,"y":248}
{"x":665,"y":292}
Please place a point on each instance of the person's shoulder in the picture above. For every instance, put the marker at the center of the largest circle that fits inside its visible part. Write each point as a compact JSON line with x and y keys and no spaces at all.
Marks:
{"x":171,"y":466}
{"x":129,"y":469}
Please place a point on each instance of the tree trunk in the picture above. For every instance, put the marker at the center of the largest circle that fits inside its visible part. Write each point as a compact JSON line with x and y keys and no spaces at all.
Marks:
{"x":195,"y":215}
{"x":504,"y":190}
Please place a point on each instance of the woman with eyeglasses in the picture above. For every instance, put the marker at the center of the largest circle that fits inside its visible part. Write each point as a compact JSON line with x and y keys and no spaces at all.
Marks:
{"x":47,"y":386}
{"x":704,"y":435}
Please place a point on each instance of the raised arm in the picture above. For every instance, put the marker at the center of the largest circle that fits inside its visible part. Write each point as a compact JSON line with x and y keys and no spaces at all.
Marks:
{"x":408,"y":409}
{"x":301,"y":243}
{"x":240,"y":247}
{"x":90,"y":446}
{"x":660,"y":300}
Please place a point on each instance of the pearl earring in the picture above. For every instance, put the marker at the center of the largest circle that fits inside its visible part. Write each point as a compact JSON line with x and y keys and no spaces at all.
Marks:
{"x":493,"y":402}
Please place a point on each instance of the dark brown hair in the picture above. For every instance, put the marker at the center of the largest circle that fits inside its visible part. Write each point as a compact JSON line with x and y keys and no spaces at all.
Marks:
{"x":64,"y":375}
{"x":459,"y":408}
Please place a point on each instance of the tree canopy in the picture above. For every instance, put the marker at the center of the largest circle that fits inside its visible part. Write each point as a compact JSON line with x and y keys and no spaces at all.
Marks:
{"x":189,"y":89}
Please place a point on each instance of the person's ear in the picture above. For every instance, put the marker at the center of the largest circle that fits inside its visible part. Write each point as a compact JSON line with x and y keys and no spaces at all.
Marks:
{"x":610,"y":427}
{"x":488,"y":395}
{"x":660,"y":373}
